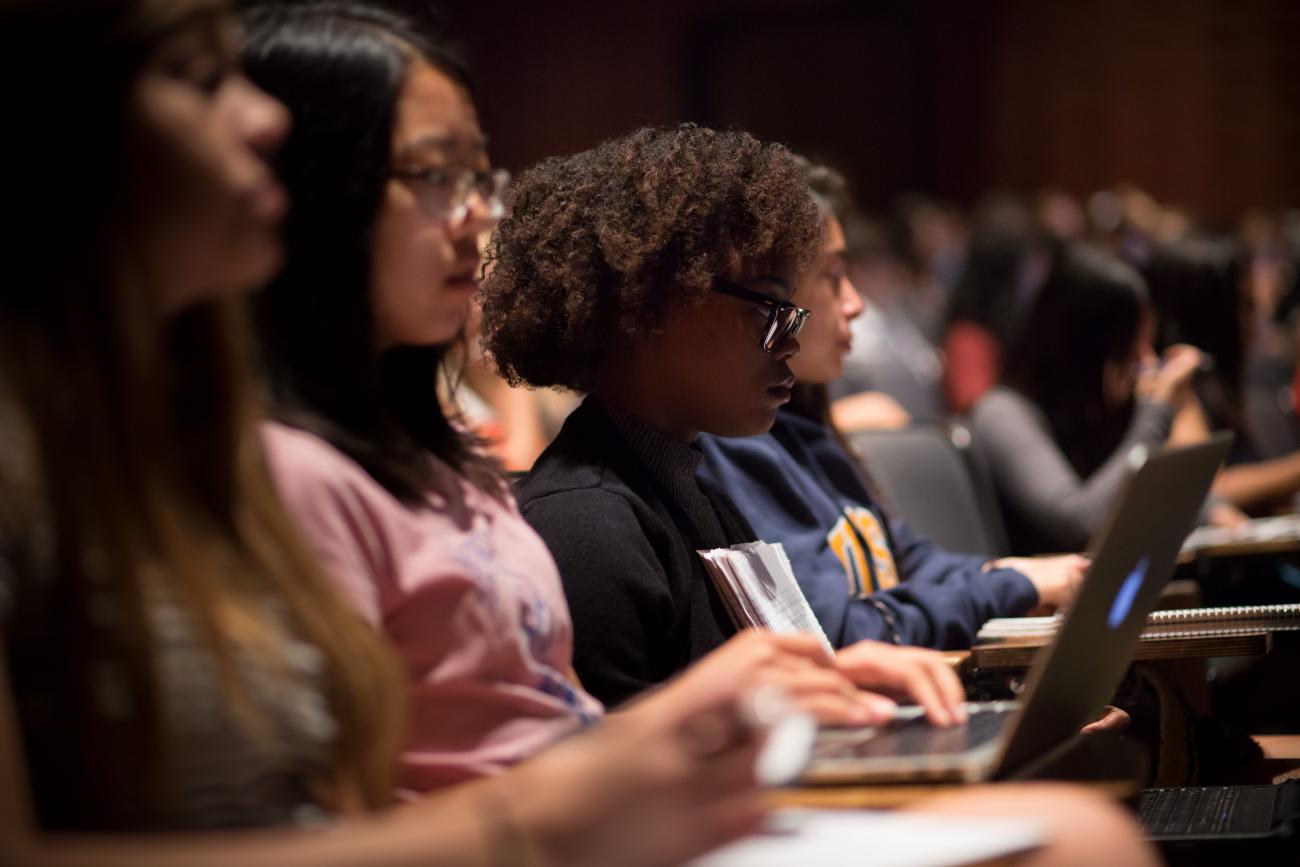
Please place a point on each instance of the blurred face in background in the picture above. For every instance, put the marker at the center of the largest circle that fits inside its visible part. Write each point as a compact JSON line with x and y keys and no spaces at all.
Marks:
{"x":834,"y":302}
{"x":209,"y":206}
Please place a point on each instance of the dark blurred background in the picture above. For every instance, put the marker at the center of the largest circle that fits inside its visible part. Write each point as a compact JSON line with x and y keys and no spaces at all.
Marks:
{"x":1195,"y":101}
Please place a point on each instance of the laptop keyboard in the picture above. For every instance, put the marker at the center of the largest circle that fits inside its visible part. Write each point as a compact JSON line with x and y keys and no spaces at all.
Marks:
{"x":912,"y":737}
{"x":1197,"y":811}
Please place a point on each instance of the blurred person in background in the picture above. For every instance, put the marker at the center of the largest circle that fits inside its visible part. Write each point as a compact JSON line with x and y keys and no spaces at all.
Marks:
{"x":931,"y":236}
{"x":1059,"y":216}
{"x":1201,"y":288}
{"x":892,"y":372}
{"x":1082,"y":387}
{"x":1272,"y":243}
{"x":1002,"y":272}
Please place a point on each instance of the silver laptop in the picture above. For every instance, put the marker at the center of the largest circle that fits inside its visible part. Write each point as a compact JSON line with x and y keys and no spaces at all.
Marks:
{"x":1073,"y":678}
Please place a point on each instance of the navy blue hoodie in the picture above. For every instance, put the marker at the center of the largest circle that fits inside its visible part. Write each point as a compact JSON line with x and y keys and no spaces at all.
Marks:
{"x":865,"y":575}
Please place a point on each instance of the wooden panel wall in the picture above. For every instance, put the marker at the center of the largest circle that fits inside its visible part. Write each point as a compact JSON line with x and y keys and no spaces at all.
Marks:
{"x":1196,"y":100}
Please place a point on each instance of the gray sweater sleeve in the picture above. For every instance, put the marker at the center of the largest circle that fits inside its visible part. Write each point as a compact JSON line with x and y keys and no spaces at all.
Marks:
{"x":1034,"y":477}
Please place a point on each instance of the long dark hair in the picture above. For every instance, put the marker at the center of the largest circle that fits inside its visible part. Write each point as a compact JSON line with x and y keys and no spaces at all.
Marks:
{"x":1196,"y":288}
{"x":830,"y":191}
{"x":339,"y":67}
{"x":1087,"y":313}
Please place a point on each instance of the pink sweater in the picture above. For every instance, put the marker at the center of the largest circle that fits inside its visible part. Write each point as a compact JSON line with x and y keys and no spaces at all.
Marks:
{"x":466,"y":592}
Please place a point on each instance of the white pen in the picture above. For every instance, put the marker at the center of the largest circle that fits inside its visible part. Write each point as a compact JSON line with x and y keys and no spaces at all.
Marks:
{"x":788,"y":732}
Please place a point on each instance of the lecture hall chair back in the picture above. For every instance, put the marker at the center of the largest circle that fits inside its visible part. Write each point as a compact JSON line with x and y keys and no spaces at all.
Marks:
{"x":929,"y":476}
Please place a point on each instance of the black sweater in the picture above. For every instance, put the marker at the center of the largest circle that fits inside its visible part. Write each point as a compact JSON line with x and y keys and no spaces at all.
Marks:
{"x":620,"y":507}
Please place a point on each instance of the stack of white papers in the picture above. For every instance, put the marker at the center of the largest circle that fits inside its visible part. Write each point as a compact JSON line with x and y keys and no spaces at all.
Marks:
{"x":855,"y":838}
{"x":757,"y":584}
{"x":1017,"y":627}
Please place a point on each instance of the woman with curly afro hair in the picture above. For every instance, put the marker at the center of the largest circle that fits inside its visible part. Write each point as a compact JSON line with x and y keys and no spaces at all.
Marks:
{"x":653,"y":273}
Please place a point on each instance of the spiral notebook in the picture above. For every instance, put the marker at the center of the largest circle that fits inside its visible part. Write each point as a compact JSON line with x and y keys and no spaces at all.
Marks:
{"x":1170,"y":623}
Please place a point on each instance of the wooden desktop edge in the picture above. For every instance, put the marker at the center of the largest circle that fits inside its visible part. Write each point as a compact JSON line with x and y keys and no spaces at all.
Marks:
{"x":958,"y":660}
{"x":1019,"y":652}
{"x":891,"y":796}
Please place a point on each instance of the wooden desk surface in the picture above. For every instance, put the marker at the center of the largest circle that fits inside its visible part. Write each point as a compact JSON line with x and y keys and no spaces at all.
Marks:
{"x":1019,"y":652}
{"x":893,"y":796}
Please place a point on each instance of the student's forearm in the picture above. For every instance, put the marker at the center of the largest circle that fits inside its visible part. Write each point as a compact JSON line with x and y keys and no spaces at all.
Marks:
{"x":1189,"y":426}
{"x":1254,"y":484}
{"x":455,"y":829}
{"x":471,"y":826}
{"x":1065,"y":508}
{"x":452,"y":833}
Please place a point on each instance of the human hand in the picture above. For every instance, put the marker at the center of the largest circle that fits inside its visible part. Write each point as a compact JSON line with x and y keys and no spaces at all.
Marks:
{"x":1225,"y":514}
{"x":1171,"y":382}
{"x":1056,"y":579}
{"x":641,"y":789}
{"x":914,"y":673}
{"x":1112,"y":719}
{"x":869,"y":410}
{"x":799,"y":664}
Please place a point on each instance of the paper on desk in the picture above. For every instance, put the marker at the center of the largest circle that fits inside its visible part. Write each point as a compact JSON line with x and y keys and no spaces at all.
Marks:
{"x":757,"y":584}
{"x":858,"y":838}
{"x":1276,"y":529}
{"x":1017,"y":627}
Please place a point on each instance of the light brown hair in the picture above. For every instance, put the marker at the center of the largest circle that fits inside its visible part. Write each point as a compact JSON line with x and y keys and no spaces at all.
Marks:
{"x":130,"y":436}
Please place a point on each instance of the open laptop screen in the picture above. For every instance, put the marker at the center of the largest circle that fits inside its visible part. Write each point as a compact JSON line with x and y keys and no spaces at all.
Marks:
{"x":1133,"y":558}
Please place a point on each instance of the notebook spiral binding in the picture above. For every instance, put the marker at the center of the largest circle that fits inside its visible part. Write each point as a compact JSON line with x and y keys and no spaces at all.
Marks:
{"x":1220,"y":615}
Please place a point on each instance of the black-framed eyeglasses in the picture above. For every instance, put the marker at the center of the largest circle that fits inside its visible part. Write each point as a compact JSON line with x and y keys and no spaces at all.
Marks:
{"x":784,"y":320}
{"x":447,"y":191}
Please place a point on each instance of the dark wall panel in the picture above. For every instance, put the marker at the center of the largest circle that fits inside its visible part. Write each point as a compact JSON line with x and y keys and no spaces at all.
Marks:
{"x":1196,"y":100}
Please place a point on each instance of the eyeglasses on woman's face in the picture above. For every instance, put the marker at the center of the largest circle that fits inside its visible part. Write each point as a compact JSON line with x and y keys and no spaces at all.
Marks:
{"x":445,"y":192}
{"x":784,"y":320}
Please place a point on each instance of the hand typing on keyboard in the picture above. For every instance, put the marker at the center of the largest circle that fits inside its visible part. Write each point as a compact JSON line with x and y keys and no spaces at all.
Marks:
{"x":798,"y":664}
{"x":909,"y":674}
